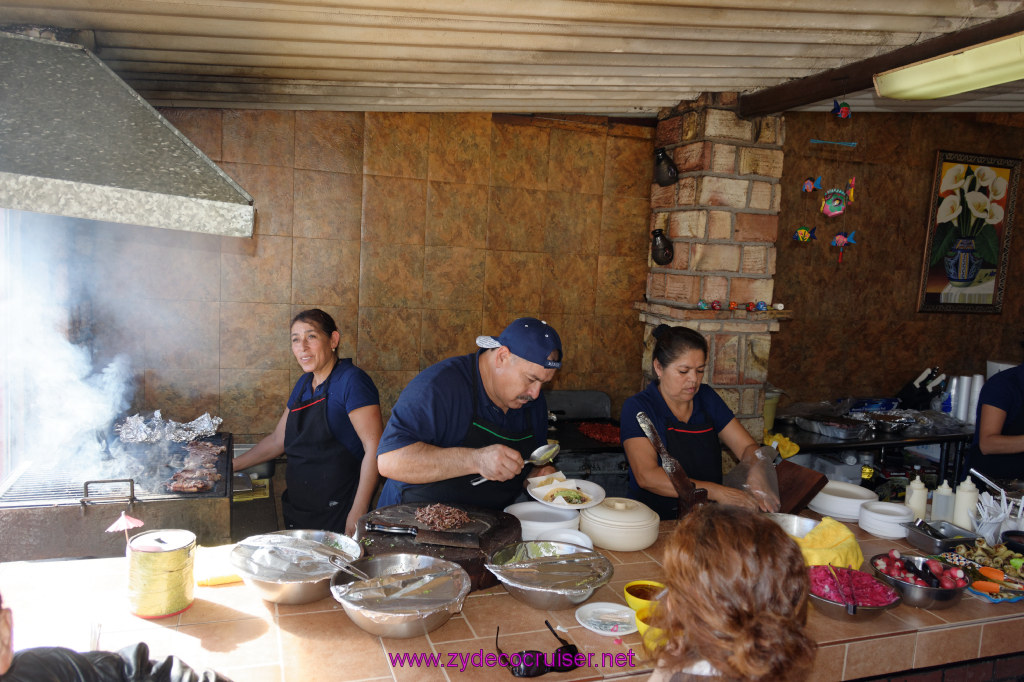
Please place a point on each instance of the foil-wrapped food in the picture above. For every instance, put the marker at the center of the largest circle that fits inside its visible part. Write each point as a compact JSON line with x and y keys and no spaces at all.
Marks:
{"x":137,"y":429}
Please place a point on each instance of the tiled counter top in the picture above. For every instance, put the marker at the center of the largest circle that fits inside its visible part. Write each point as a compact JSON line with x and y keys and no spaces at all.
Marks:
{"x":228,"y":628}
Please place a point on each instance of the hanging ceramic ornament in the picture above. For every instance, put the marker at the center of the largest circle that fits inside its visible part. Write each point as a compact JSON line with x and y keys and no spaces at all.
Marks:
{"x":842,"y":240}
{"x":841,"y":109}
{"x":812,"y":184}
{"x":804,"y":235}
{"x":836,"y":200}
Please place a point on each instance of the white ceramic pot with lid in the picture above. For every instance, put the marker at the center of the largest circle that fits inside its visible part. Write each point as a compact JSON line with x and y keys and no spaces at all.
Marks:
{"x":620,"y":524}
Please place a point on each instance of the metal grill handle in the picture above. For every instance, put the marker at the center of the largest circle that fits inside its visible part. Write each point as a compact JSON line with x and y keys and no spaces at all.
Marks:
{"x":109,"y":498}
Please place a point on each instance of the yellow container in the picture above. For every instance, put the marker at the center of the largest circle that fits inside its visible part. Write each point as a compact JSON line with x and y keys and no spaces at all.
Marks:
{"x":641,"y":593}
{"x":160,"y":572}
{"x":650,"y":636}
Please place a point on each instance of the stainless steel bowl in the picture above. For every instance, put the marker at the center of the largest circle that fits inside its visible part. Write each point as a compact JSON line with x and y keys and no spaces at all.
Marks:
{"x":795,"y":526}
{"x":838,"y":611}
{"x":402,"y":624}
{"x":932,"y":598}
{"x":304,"y":591}
{"x":549,"y":598}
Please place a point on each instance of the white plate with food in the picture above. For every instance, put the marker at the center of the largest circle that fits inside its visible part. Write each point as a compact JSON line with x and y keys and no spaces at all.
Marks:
{"x":572,"y":493}
{"x":607,"y":618}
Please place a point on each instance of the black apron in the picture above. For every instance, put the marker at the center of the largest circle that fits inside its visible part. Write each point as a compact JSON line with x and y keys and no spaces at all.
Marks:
{"x":698,"y":450}
{"x":489,"y":494}
{"x":322,"y":475}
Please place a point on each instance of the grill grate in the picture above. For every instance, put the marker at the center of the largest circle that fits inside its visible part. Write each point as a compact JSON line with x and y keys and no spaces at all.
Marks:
{"x":50,"y":483}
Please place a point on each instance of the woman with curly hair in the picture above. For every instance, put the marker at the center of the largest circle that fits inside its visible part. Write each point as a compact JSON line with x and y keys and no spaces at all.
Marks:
{"x":736,"y":601}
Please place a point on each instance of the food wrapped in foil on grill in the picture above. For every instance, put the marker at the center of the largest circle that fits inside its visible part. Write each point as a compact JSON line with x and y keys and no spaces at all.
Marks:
{"x":136,"y":429}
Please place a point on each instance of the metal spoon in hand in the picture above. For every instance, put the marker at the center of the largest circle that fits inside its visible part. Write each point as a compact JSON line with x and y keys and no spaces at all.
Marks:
{"x":539,"y":457}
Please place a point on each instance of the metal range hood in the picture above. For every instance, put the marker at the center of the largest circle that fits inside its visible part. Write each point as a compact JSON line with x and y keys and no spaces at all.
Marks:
{"x":77,"y":141}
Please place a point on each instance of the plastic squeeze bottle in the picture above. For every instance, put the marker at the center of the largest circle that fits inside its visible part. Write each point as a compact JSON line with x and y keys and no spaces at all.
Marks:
{"x":917,"y":498}
{"x":942,"y":503}
{"x":964,"y":503}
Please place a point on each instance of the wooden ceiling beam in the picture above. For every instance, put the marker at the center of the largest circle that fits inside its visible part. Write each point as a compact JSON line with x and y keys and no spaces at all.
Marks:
{"x":858,"y":75}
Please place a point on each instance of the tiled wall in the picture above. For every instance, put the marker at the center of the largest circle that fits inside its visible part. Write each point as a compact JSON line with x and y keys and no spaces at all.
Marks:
{"x":416,"y":231}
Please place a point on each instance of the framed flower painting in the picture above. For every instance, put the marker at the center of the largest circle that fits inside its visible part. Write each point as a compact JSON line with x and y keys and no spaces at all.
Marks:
{"x":970,"y":219}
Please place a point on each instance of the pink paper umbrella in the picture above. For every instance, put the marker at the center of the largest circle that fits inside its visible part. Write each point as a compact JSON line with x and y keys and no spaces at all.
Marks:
{"x":124,"y":522}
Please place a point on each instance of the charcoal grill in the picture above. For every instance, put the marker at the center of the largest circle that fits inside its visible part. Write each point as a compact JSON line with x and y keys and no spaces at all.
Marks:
{"x":47,"y":513}
{"x":581,"y":456}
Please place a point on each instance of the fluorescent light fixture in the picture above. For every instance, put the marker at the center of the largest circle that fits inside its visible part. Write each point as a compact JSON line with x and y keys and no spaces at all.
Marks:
{"x":981,"y":66}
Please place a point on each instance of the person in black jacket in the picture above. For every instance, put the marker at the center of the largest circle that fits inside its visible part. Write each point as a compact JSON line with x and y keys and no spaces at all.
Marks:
{"x":57,"y":664}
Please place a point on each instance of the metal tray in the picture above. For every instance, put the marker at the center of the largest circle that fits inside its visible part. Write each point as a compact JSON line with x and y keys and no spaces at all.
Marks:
{"x":955,"y":535}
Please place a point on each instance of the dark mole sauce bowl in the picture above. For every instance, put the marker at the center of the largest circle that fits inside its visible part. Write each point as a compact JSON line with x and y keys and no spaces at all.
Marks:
{"x":1014,"y":540}
{"x":645,"y":592}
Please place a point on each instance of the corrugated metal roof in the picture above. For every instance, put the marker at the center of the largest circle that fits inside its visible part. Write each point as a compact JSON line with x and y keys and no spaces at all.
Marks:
{"x":626,"y":57}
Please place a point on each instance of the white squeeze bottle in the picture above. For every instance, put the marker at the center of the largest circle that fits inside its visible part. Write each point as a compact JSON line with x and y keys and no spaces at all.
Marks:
{"x":917,"y":498}
{"x":964,"y":503}
{"x":942,"y":503}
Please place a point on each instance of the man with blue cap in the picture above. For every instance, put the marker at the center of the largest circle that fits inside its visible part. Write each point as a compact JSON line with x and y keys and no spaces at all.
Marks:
{"x":472,"y":415}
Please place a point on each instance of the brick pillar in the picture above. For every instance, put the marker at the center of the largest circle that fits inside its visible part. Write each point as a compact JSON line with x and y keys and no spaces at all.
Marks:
{"x":722,"y":217}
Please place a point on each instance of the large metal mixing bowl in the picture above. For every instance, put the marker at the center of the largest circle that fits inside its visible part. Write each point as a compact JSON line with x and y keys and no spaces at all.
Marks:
{"x":402,"y":623}
{"x":795,"y":526}
{"x":549,"y":598}
{"x":931,"y":598}
{"x":304,"y":591}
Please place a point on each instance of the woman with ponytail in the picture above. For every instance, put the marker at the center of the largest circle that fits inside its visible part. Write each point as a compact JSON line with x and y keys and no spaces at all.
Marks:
{"x":693,"y":422}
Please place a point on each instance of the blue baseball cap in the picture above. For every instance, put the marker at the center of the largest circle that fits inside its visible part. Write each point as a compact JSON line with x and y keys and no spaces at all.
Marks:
{"x":530,"y":339}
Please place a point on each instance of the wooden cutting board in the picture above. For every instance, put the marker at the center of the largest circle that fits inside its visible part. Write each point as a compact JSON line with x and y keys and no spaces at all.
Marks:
{"x":494,"y":528}
{"x":797,"y":485}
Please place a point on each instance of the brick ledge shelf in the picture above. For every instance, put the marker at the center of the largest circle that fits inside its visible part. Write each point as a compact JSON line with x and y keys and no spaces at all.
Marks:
{"x":655,"y":312}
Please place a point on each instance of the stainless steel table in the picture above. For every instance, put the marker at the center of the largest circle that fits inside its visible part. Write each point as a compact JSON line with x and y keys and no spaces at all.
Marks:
{"x":954,"y":444}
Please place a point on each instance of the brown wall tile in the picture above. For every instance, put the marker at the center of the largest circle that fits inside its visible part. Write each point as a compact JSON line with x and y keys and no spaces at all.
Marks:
{"x":460,"y":148}
{"x":876,"y":656}
{"x":394,"y":210}
{"x":396,"y":144}
{"x":519,"y":156}
{"x":453,"y":278}
{"x":325,"y":271}
{"x":260,"y":137}
{"x":182,"y":394}
{"x":576,"y":162}
{"x":573,"y":223}
{"x":271,"y":190}
{"x":517,"y":219}
{"x":253,"y":400}
{"x":329,"y":141}
{"x":456,"y":215}
{"x":257,"y":270}
{"x":202,"y":127}
{"x":829,"y":663}
{"x":617,"y":343}
{"x":185,"y":335}
{"x":629,"y":167}
{"x":569,"y":287}
{"x":446,"y":333}
{"x":327,"y":205}
{"x":624,"y":226}
{"x":390,"y":277}
{"x":619,"y":283}
{"x":390,"y":384}
{"x":1002,"y":638}
{"x":255,"y":336}
{"x":514,"y":281}
{"x":389,"y":339}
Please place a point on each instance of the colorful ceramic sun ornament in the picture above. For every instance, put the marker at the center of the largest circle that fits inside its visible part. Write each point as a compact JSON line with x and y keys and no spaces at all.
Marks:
{"x":702,"y":305}
{"x":841,"y":109}
{"x":804,"y":235}
{"x":836,"y":200}
{"x":842,"y":240}
{"x":811,"y":184}
{"x":716,"y":305}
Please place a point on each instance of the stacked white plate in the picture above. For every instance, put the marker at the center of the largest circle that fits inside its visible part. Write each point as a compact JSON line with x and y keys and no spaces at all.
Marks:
{"x":883,"y":519}
{"x":841,"y":501}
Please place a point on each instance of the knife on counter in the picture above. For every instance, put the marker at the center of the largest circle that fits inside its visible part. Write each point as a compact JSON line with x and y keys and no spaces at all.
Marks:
{"x":689,"y":496}
{"x":428,"y":537}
